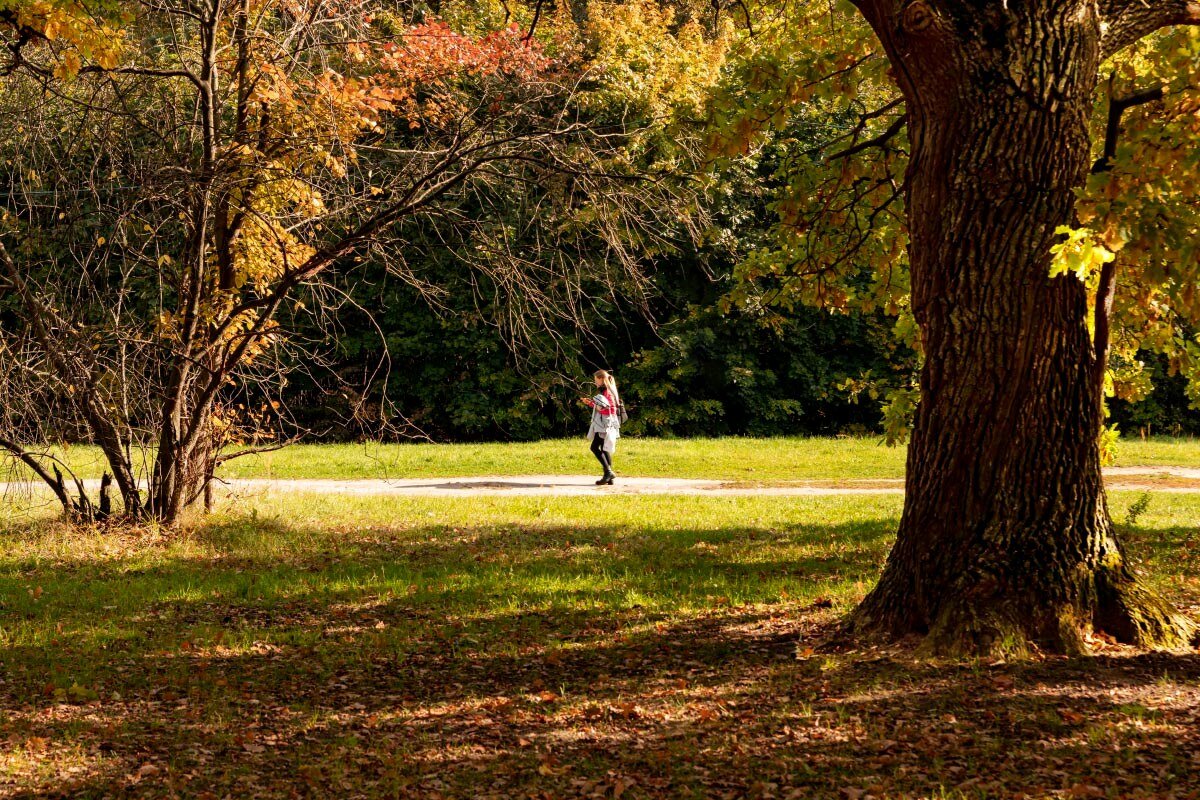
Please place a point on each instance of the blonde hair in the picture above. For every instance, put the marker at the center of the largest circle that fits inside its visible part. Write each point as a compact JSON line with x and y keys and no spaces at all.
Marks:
{"x":610,"y":383}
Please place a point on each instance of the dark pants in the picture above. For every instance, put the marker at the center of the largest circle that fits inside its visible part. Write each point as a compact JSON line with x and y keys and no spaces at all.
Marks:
{"x":601,"y":455}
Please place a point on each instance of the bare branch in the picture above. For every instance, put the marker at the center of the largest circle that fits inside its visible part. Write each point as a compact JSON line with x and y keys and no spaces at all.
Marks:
{"x":30,"y":460}
{"x":1117,"y":106}
{"x":537,"y":15}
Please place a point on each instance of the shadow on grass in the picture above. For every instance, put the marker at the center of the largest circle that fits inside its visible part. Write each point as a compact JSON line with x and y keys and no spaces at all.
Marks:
{"x":528,"y":660}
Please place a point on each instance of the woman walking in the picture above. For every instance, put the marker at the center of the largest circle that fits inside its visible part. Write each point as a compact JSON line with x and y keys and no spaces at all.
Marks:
{"x":606,"y":423}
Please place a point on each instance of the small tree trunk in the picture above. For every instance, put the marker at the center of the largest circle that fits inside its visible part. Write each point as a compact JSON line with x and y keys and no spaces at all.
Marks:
{"x":208,"y":494}
{"x":1005,"y":537}
{"x":108,"y":438}
{"x":105,"y":509}
{"x":182,"y":473}
{"x":173,"y":484}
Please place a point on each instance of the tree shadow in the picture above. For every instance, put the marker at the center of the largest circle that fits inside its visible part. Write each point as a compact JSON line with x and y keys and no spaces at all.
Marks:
{"x":467,"y":485}
{"x":510,"y":661}
{"x":715,"y":705}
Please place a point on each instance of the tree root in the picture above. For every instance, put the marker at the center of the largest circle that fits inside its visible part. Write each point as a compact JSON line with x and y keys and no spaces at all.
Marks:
{"x":1133,"y":614}
{"x":1112,"y":602}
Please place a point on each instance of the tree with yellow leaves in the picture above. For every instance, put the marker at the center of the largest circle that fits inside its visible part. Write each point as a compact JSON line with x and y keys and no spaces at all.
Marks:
{"x":1016,"y":183}
{"x":169,"y":211}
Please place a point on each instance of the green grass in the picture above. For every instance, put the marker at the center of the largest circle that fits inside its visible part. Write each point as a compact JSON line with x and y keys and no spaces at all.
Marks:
{"x":490,"y":554}
{"x":564,"y":647}
{"x":1158,"y":452}
{"x":728,"y":459}
{"x":733,"y":459}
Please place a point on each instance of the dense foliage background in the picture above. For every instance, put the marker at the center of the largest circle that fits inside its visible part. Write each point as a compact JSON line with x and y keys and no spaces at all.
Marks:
{"x":722,"y":338}
{"x":701,"y":371}
{"x":697,"y":359}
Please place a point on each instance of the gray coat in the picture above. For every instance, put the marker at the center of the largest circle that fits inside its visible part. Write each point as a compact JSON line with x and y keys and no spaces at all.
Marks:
{"x":607,"y":425}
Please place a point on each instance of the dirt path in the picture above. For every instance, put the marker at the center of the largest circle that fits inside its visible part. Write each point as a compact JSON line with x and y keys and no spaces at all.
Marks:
{"x":567,"y":485}
{"x":1155,"y":479}
{"x":1159,"y":479}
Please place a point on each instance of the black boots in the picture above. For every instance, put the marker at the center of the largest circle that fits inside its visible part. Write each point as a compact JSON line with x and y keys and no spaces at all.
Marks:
{"x":607,"y":480}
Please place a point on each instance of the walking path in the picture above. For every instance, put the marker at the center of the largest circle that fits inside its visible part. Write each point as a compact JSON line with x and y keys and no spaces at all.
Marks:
{"x":566,"y":485}
{"x":1159,"y":479}
{"x":1155,"y":479}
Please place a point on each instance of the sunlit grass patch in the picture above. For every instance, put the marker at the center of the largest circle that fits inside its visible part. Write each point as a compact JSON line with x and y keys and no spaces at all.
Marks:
{"x":733,"y":459}
{"x":408,"y":646}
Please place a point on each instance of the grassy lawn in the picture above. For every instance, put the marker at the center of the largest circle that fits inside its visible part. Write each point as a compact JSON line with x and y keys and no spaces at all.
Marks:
{"x":727,"y":459}
{"x":547,"y":647}
{"x":732,"y":459}
{"x":723,"y":459}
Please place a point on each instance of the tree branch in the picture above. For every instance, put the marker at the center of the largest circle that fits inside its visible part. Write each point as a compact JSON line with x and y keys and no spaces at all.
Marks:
{"x":876,"y":141}
{"x":1127,"y":21}
{"x":1108,"y":273}
{"x":1112,"y":129}
{"x":30,"y":460}
{"x":143,"y":71}
{"x":1104,"y":302}
{"x":537,"y":15}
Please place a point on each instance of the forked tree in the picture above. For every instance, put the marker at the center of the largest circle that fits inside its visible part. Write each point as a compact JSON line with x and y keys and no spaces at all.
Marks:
{"x":174,"y":198}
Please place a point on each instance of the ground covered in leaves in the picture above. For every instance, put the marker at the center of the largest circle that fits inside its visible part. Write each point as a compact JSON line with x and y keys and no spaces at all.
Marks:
{"x":549,"y":647}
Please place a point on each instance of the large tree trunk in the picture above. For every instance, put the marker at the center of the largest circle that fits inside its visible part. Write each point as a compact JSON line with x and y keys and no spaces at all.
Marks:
{"x":1005,"y":537}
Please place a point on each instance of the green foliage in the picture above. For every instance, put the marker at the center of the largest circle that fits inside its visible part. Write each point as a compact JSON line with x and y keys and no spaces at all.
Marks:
{"x":1143,"y":205}
{"x":1164,"y":410}
{"x":1137,"y":508}
{"x":446,"y":372}
{"x":809,"y":97}
{"x":727,"y":373}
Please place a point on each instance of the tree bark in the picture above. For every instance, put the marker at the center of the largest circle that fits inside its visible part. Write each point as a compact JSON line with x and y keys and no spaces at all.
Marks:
{"x":1005,"y":539}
